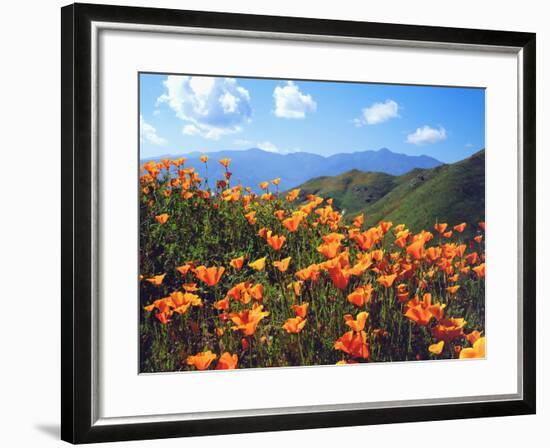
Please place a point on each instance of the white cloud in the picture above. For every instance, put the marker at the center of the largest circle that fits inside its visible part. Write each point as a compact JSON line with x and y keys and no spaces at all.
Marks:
{"x":210,"y":107}
{"x":229,"y":102}
{"x":426,"y":134}
{"x":149,"y":133}
{"x":268,"y":146}
{"x":290,"y":102}
{"x":190,"y":129}
{"x":378,"y":113}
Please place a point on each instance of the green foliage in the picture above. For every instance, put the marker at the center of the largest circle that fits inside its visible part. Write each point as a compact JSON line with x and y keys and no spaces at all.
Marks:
{"x":448,"y":193}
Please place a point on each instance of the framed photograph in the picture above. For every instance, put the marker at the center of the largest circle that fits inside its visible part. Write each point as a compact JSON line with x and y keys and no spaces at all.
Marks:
{"x":275,"y":223}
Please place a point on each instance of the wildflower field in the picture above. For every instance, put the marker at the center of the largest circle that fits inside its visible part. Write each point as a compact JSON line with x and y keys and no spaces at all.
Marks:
{"x":230,"y":278}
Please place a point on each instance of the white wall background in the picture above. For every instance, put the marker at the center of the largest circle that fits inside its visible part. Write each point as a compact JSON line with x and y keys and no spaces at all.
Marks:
{"x":30,"y":224}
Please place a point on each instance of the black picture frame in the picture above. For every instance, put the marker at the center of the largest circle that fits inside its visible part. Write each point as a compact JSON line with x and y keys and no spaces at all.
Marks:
{"x":76,"y":235}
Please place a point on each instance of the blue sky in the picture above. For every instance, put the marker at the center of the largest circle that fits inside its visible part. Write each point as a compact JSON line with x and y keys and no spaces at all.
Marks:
{"x":182,"y":114}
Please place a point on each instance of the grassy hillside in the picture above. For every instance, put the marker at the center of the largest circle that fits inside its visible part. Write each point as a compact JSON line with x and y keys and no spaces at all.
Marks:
{"x":452,"y":193}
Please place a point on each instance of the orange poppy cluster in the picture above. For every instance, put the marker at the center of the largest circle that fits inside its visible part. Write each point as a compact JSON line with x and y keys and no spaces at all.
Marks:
{"x":300,"y":265}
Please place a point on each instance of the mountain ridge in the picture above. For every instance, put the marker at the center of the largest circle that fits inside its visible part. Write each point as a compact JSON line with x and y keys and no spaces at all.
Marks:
{"x":449,"y":192}
{"x":252,"y":166}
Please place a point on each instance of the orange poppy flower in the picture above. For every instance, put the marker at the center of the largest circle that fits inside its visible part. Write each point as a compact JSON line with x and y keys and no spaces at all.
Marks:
{"x":156,"y":280}
{"x":473,"y":336}
{"x":301,"y":310}
{"x":361,"y":266}
{"x":276,"y":181}
{"x":453,"y":289}
{"x":329,"y":250}
{"x":482,"y":225}
{"x":182,"y":301}
{"x":237,"y":263}
{"x":225,"y":162}
{"x":275,"y":241}
{"x":433,"y":253}
{"x":366,"y":239}
{"x":440,"y":227}
{"x":244,"y":291}
{"x":385,"y":226}
{"x":358,"y":221}
{"x":449,"y":329}
{"x":163,"y":218}
{"x":292,"y":195}
{"x":292,"y":223}
{"x":151,"y":167}
{"x":377,"y":255}
{"x":190,"y":287}
{"x":422,"y":312}
{"x":283,"y":264}
{"x":163,"y":317}
{"x":436,"y":348}
{"x":160,"y":304}
{"x":472,"y":258}
{"x":361,"y":295}
{"x":480,"y":270}
{"x":227,"y":361}
{"x":448,"y":234}
{"x":204,"y":159}
{"x":401,"y":241}
{"x":279,"y":214}
{"x":259,"y":264}
{"x":478,"y":238}
{"x":264,"y":185}
{"x":416,"y":249}
{"x":333,"y":237}
{"x":222,"y":304}
{"x":359,"y":323}
{"x":399,"y":228}
{"x":387,"y":280}
{"x":294,"y":325}
{"x":339,"y":277}
{"x":257,"y":291}
{"x":247,"y":321}
{"x":202,"y":360}
{"x":476,"y":351}
{"x":211,"y":276}
{"x":296,"y":287}
{"x":240,"y":292}
{"x":402,"y":293}
{"x":251,"y":218}
{"x":460,"y":227}
{"x":309,"y":273}
{"x":354,"y":344}
{"x":453,"y":278}
{"x":262,"y":233}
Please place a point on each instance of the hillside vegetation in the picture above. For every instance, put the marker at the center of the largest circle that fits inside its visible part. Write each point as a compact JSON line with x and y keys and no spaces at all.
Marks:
{"x":447,"y":193}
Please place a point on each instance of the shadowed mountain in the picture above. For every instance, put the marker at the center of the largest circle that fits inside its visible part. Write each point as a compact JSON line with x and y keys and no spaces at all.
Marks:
{"x":252,"y":166}
{"x":448,"y":193}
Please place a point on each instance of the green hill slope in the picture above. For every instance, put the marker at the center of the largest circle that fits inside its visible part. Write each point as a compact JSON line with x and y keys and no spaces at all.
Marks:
{"x":448,"y":193}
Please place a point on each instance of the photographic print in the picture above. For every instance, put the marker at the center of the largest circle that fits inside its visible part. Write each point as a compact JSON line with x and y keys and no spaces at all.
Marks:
{"x":304,"y":223}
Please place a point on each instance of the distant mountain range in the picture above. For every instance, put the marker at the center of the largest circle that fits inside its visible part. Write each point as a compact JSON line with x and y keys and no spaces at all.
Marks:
{"x":252,"y":166}
{"x":447,"y":193}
